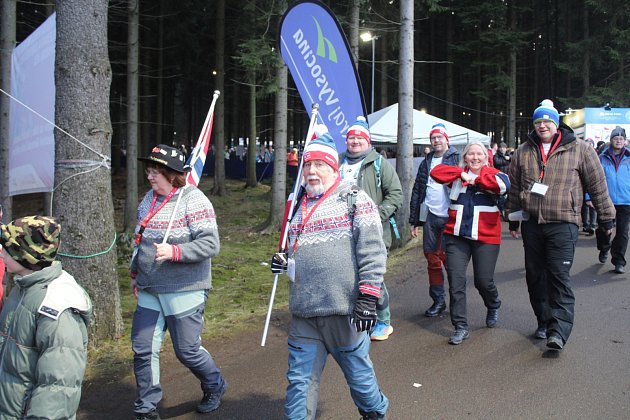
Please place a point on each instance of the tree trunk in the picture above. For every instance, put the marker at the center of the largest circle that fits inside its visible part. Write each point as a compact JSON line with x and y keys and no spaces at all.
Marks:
{"x":353,"y":39}
{"x":7,"y":43}
{"x":251,"y":180}
{"x":511,"y":127}
{"x":83,"y":197}
{"x":131,"y":201}
{"x":384,"y":53}
{"x":279,"y":178}
{"x":219,"y":112}
{"x":586,"y":54}
{"x":404,"y":158}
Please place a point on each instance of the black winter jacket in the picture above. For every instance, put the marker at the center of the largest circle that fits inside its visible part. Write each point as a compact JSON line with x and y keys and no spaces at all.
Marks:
{"x":418,"y":194}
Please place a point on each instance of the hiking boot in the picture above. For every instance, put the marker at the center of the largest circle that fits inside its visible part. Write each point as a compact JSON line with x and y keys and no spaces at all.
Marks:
{"x":151,"y":415}
{"x":435,"y":309}
{"x":211,"y":400}
{"x":381,"y":332}
{"x":620,"y":269}
{"x":555,"y":342}
{"x":372,"y":416}
{"x":460,"y":335}
{"x":492,"y":318}
{"x":603,"y":256}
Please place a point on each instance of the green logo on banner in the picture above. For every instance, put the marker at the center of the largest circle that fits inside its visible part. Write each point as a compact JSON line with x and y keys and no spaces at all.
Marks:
{"x":322,"y":42}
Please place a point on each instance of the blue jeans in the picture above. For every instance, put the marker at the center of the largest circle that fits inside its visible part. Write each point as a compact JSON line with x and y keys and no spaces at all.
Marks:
{"x":310,"y":342}
{"x":182,"y":314}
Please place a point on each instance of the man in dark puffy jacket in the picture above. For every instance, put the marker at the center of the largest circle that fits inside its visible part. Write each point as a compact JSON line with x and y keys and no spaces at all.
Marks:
{"x":43,"y":326}
{"x":502,"y":159}
{"x":429,"y":208}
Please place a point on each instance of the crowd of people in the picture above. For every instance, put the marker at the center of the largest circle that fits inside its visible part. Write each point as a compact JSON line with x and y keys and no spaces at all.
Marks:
{"x":344,"y":213}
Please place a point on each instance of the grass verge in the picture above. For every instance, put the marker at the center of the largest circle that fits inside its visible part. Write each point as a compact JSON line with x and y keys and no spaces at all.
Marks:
{"x":241,"y":278}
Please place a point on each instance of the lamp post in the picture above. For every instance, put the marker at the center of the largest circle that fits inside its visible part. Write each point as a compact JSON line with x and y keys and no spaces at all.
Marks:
{"x":366,"y":37}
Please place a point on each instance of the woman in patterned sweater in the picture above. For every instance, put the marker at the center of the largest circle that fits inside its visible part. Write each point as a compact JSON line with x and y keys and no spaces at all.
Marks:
{"x":171,"y":279}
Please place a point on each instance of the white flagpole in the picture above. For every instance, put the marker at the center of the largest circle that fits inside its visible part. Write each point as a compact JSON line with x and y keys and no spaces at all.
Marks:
{"x":201,"y":139}
{"x":296,"y":189}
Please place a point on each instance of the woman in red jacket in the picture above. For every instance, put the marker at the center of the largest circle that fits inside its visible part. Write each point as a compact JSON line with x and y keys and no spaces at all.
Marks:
{"x":473,"y":231}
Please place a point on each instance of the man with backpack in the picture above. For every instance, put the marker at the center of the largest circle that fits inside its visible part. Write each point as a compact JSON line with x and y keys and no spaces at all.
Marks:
{"x":363,"y":166}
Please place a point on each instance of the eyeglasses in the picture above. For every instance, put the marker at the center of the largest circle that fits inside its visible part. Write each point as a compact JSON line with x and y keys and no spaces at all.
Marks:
{"x":317,"y":164}
{"x":152,"y":172}
{"x":543,"y":122}
{"x":437,"y":138}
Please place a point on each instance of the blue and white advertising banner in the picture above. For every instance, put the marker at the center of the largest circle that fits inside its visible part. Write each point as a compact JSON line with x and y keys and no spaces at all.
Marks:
{"x":596,"y":124}
{"x":31,"y":138}
{"x":317,"y":53}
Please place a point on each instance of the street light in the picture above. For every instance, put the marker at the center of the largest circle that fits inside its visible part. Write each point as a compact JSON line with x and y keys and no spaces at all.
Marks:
{"x":366,"y":37}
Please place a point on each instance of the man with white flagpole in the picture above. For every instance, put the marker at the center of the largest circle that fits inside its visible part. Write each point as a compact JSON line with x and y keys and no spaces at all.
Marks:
{"x":335,"y":263}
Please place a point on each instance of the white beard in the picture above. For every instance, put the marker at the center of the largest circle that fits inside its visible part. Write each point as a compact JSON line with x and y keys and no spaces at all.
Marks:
{"x":314,"y":190}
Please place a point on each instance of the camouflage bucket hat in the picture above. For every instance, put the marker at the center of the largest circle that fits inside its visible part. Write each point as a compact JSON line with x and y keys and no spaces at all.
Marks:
{"x":32,"y":239}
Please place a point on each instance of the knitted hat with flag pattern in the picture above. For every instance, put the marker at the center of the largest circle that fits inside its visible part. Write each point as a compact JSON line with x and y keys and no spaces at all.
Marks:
{"x":322,"y":148}
{"x":359,"y":128}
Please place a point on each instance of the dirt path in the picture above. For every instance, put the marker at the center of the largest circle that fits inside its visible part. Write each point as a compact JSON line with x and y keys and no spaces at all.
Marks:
{"x":498,"y":373}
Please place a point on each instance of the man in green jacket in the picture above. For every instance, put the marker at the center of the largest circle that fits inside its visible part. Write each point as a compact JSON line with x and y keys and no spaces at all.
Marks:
{"x":363,"y":166}
{"x":43,"y":325}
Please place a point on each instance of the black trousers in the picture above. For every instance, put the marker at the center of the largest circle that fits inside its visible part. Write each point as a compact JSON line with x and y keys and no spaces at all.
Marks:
{"x":619,"y":244}
{"x":549,"y":252}
{"x":459,"y":252}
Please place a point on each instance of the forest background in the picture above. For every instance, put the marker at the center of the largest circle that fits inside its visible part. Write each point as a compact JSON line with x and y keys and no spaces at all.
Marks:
{"x":132,"y":74}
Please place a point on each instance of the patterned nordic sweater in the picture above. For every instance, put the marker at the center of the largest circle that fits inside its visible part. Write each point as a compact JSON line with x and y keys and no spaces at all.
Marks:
{"x":336,"y":257}
{"x":195,"y":238}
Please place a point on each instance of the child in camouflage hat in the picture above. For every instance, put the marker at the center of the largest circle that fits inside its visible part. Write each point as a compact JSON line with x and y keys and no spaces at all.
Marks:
{"x":43,"y":325}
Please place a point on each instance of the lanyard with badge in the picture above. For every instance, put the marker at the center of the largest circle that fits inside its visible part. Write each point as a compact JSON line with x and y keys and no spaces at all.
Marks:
{"x":538,"y":188}
{"x":306,"y":215}
{"x":152,"y":212}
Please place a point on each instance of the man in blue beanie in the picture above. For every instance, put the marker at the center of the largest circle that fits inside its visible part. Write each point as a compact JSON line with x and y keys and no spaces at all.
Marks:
{"x":548,"y":175}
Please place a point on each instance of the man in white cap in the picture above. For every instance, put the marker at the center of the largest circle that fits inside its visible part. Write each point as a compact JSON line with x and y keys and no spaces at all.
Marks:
{"x":363,"y":166}
{"x":548,"y":175}
{"x":335,"y":263}
{"x":429,"y":209}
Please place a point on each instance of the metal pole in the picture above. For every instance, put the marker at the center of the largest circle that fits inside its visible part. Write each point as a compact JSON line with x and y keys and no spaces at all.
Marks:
{"x":373,"y":42}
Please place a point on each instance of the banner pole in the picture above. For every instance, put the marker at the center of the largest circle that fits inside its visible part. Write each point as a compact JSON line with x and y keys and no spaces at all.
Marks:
{"x":285,"y":231}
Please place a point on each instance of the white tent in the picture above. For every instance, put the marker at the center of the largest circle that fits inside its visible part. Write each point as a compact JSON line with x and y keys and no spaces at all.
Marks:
{"x":384,"y":128}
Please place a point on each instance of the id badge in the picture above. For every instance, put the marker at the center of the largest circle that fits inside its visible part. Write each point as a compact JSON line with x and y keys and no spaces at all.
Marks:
{"x":291,"y":269}
{"x":539,"y":189}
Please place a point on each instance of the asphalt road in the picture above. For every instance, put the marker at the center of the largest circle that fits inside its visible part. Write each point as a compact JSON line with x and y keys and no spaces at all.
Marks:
{"x":500,"y":373}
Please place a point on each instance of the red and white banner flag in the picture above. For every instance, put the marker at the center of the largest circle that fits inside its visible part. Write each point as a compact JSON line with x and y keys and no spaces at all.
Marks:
{"x":197,"y":158}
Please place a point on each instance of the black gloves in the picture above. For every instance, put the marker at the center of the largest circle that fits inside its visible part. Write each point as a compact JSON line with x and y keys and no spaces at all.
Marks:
{"x":279,"y":263}
{"x":364,"y":314}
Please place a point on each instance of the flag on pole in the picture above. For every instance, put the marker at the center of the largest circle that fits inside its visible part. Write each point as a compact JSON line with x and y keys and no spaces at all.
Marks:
{"x":197,"y":158}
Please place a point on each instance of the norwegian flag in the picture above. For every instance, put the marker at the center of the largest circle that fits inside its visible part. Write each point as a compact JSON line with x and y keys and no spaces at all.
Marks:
{"x":197,"y":158}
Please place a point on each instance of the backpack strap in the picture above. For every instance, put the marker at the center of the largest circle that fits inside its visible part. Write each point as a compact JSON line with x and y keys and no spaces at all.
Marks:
{"x":377,"y":168}
{"x":350,"y":195}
